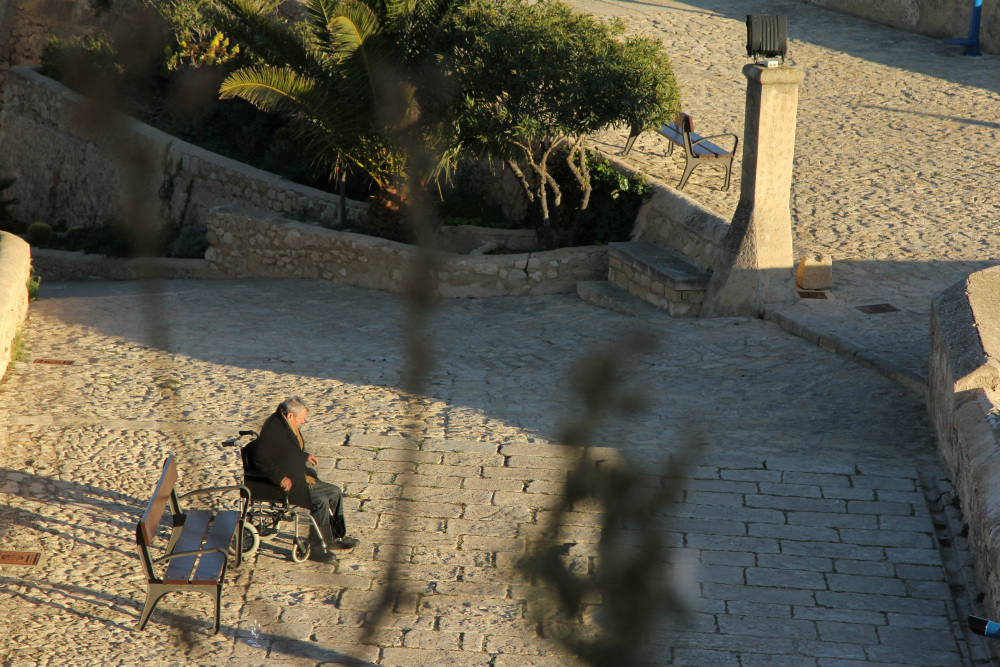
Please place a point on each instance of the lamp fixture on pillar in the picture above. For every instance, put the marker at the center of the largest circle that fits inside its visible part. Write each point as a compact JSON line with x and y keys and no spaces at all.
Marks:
{"x":767,"y":38}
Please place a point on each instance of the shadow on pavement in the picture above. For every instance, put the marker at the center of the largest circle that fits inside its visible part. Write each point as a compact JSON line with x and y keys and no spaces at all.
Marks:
{"x":860,"y":38}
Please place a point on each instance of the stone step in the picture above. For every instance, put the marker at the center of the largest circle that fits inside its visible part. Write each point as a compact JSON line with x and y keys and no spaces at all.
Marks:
{"x":658,"y":276}
{"x":606,"y":295}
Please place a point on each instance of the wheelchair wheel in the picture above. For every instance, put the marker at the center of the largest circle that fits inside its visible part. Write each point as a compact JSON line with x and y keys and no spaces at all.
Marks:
{"x":300,"y":550}
{"x":251,"y":540}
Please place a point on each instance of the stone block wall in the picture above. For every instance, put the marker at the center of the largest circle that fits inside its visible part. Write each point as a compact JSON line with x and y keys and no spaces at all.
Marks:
{"x":15,"y":269}
{"x":675,"y":221}
{"x":963,"y":397}
{"x":935,"y":18}
{"x":69,"y":170}
{"x":248,"y":244}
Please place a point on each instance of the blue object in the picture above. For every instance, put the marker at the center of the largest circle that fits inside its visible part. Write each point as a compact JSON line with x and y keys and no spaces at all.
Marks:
{"x":972,"y":41}
{"x":992,"y":629}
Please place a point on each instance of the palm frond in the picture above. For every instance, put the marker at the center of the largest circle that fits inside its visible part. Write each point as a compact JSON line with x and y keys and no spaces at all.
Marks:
{"x":256,"y":27}
{"x":351,"y":24}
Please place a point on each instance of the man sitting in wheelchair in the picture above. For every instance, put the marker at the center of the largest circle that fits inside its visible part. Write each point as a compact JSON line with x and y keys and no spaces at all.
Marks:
{"x":279,"y":453}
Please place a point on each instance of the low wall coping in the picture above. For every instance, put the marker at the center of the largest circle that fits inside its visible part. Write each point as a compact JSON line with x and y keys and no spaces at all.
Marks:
{"x":962,"y":391}
{"x":15,"y":270}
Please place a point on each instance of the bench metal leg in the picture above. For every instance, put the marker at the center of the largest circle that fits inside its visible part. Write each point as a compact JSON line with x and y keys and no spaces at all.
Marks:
{"x":218,"y":608}
{"x":153,"y":594}
{"x":729,"y":173}
{"x":689,"y":166}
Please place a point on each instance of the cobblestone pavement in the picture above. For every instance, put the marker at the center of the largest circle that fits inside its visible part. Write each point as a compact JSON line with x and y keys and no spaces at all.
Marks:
{"x":813,"y":528}
{"x":891,"y":177}
{"x":805,"y":533}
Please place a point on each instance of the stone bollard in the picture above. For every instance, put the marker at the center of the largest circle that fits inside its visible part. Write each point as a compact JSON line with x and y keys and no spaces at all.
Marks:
{"x":757,"y":267}
{"x":815,"y":272}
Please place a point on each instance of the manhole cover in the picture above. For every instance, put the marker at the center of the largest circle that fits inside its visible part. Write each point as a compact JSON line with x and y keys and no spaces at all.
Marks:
{"x":876,"y":308}
{"x":19,"y":557}
{"x":57,"y":362}
{"x":812,"y":295}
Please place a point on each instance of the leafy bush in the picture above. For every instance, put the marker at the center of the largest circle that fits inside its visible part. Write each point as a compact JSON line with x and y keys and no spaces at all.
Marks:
{"x":33,"y":282}
{"x":534,"y":75}
{"x":77,"y":61}
{"x":40,"y":234}
{"x":107,"y":239}
{"x":614,"y":201}
{"x":465,"y":205}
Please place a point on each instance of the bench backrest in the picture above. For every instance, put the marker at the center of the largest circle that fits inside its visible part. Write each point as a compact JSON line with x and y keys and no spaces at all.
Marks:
{"x":162,"y":495}
{"x":683,"y":121}
{"x":145,"y":530}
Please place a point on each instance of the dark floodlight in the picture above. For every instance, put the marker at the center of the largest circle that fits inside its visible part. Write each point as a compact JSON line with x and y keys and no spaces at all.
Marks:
{"x":767,"y":37}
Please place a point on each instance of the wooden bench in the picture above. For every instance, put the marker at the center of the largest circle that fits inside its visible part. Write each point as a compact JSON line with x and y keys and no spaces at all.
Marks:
{"x":196,"y":555}
{"x":697,"y":150}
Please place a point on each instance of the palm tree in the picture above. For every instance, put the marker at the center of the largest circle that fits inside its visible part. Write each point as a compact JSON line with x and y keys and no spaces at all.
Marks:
{"x":349,"y":78}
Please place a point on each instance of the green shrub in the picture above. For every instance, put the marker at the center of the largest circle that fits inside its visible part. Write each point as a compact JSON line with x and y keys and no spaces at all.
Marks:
{"x":80,"y":61}
{"x":40,"y":234}
{"x":466,"y":205}
{"x":18,"y":348}
{"x":33,"y":282}
{"x":107,"y":239}
{"x":614,"y":201}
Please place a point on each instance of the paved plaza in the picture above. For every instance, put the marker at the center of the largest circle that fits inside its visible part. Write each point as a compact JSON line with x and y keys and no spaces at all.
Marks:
{"x":815,"y":528}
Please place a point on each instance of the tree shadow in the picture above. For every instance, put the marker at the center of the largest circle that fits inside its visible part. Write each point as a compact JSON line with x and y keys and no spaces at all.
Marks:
{"x":185,"y":631}
{"x":502,"y":359}
{"x":860,"y":38}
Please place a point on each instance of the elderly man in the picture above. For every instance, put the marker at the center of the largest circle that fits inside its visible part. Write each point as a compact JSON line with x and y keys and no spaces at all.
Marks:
{"x":279,"y":452}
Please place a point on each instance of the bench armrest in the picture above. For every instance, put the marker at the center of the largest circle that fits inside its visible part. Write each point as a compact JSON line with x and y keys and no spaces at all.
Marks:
{"x":736,"y":140}
{"x":194,"y":552}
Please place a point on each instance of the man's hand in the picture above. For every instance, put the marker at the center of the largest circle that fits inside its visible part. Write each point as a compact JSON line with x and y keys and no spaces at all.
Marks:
{"x":312,"y":460}
{"x":286,"y":484}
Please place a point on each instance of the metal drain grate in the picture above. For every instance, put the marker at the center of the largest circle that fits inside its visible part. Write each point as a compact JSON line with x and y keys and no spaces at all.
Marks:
{"x":19,"y":557}
{"x":812,"y":295}
{"x":876,"y":308}
{"x":56,"y":362}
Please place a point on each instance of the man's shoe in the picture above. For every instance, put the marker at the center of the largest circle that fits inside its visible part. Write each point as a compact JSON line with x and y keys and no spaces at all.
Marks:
{"x":317,"y":555}
{"x":345,"y":543}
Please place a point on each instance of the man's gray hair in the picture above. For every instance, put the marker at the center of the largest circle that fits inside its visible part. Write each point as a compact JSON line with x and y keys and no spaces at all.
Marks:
{"x":292,"y":406}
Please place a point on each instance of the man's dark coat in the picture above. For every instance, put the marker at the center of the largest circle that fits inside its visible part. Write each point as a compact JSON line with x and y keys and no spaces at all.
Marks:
{"x":277,"y":454}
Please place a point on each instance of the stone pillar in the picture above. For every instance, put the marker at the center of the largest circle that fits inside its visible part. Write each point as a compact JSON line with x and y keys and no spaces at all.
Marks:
{"x":757,"y":267}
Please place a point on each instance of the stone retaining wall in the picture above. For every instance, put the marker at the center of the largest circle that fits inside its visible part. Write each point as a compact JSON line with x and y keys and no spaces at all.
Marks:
{"x":935,"y":18}
{"x":674,"y":220}
{"x":248,"y":244}
{"x":15,"y":269}
{"x":66,"y":170}
{"x":62,"y":265}
{"x":963,"y":395}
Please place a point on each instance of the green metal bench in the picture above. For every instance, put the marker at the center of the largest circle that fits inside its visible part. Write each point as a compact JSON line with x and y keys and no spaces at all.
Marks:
{"x":697,"y":150}
{"x":197,"y":553}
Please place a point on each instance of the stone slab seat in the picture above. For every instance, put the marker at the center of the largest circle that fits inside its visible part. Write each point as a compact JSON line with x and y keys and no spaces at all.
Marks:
{"x":658,"y":276}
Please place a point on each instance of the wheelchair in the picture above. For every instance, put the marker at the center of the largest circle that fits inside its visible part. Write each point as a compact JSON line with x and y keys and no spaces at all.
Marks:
{"x":269,"y":506}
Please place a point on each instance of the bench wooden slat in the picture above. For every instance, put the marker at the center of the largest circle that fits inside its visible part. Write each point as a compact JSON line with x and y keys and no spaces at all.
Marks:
{"x":211,"y":566}
{"x":192,"y":535}
{"x":705,"y":148}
